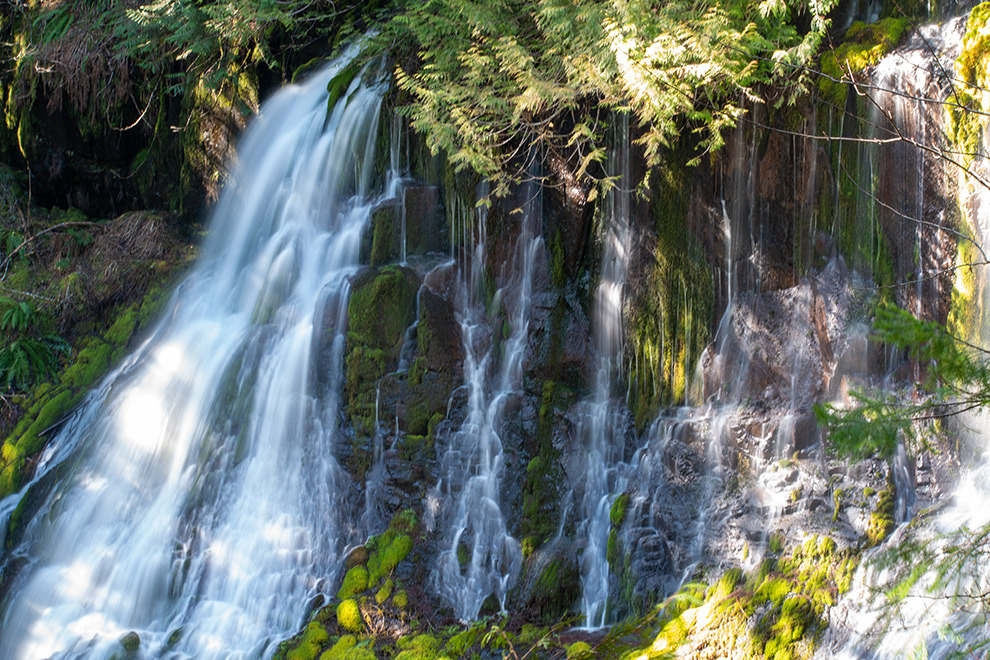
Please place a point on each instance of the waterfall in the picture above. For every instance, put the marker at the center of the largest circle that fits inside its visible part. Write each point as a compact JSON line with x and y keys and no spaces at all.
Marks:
{"x":601,"y":426}
{"x":933,"y":613}
{"x":198,"y":502}
{"x":481,"y":558}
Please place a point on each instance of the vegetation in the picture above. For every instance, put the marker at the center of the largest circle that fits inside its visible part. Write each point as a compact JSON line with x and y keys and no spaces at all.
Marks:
{"x":489,"y":79}
{"x":956,"y":379}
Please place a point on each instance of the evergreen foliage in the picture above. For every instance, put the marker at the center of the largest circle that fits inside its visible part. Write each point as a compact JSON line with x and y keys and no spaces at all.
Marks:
{"x":488,"y":80}
{"x":956,"y":378}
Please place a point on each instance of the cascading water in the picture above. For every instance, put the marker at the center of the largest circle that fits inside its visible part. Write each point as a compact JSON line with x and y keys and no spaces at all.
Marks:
{"x":198,"y":501}
{"x":481,"y":558}
{"x":602,"y":424}
{"x":937,"y":612}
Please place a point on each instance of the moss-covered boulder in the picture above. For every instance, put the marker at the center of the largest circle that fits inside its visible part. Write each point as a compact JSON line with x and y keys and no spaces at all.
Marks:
{"x":382,"y":305}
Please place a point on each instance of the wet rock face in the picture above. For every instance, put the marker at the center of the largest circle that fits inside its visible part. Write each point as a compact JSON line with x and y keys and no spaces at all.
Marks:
{"x":780,"y":346}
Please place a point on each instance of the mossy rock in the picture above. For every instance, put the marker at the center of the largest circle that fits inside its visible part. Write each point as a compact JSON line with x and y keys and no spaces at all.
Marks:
{"x":349,"y":616}
{"x":579,"y":651}
{"x":382,"y":305}
{"x":355,"y":582}
{"x":384,"y":561}
{"x":348,"y":648}
{"x":420,"y":647}
{"x":965,"y":127}
{"x":305,"y":646}
{"x":557,"y":588}
{"x":882,"y":518}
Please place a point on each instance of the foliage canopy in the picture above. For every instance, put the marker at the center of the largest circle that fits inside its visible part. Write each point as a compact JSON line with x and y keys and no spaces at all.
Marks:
{"x":488,"y":79}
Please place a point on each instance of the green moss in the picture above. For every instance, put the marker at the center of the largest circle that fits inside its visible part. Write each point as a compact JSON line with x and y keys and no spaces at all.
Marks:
{"x":384,"y":593}
{"x":338,"y":85}
{"x":617,"y":514}
{"x":541,"y":498}
{"x":355,"y":582}
{"x":579,"y":651}
{"x":349,"y":616}
{"x":382,"y":305}
{"x":390,"y":547}
{"x":965,"y":128}
{"x":459,"y":645}
{"x":776,"y":543}
{"x":383,"y":562}
{"x":882,"y":518}
{"x":385,"y":239}
{"x":348,"y":648}
{"x":557,"y":588}
{"x":420,"y":647}
{"x":673,"y":310}
{"x":310,"y":644}
{"x":863,"y":46}
{"x":51,"y":401}
{"x":401,"y":599}
{"x":778,"y":611}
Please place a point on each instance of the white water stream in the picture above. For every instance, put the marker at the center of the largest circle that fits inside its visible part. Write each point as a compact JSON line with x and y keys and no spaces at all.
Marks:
{"x":602,"y":424}
{"x":200,"y":500}
{"x":481,"y":558}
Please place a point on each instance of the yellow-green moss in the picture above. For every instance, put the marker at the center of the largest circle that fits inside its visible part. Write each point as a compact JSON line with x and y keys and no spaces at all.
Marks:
{"x":401,"y":599}
{"x":349,"y":616}
{"x":311,"y":643}
{"x":965,"y":127}
{"x":383,"y":562}
{"x":579,"y":651}
{"x":673,"y":310}
{"x":863,"y":46}
{"x":348,"y":648}
{"x":355,"y":581}
{"x":778,"y":611}
{"x":420,"y":647}
{"x":384,"y":593}
{"x":882,"y":518}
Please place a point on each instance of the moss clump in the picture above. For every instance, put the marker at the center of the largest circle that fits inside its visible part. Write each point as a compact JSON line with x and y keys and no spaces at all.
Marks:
{"x":390,"y":547}
{"x":348,"y":648}
{"x":778,"y":611}
{"x":557,"y":588}
{"x":401,"y":599}
{"x":863,"y":46}
{"x":420,"y":647}
{"x":383,"y":562}
{"x":460,"y":644}
{"x":384,"y":237}
{"x":579,"y":651}
{"x":384,"y":593}
{"x":349,"y":616}
{"x":965,"y":127}
{"x":382,"y":305}
{"x":338,"y":85}
{"x":309,"y":645}
{"x":355,"y":581}
{"x":882,"y":518}
{"x":617,"y":514}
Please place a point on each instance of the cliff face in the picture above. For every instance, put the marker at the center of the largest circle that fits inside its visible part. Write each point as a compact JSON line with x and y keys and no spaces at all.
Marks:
{"x":552,"y":405}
